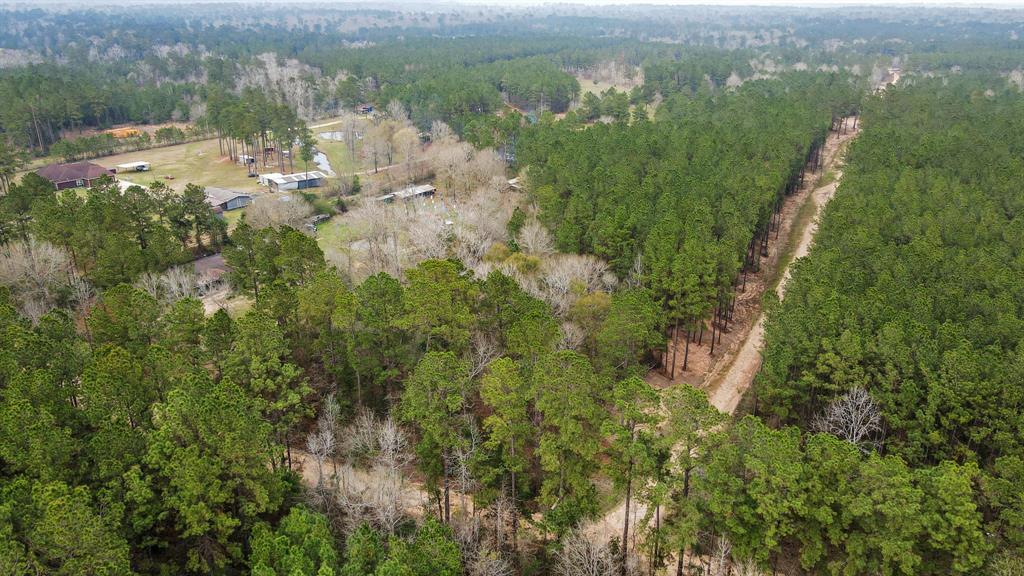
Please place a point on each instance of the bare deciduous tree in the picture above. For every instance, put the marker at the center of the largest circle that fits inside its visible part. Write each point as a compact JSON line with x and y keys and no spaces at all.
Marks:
{"x":460,"y":465}
{"x":854,"y":417}
{"x":428,"y":236}
{"x":440,"y":132}
{"x":361,"y":437}
{"x":376,"y":495}
{"x":449,"y":161}
{"x":173,"y":284}
{"x":484,"y":167}
{"x":534,"y":238}
{"x":181,"y":282}
{"x":748,"y":568}
{"x":471,"y":243}
{"x":477,"y":557}
{"x":386,"y":500}
{"x":484,"y":349}
{"x":350,"y":132}
{"x":378,"y":145}
{"x":150,"y":282}
{"x":82,"y":292}
{"x":321,"y":442}
{"x":377,"y":230}
{"x":376,"y":500}
{"x":490,"y":564}
{"x":36,"y":273}
{"x":581,"y":556}
{"x":720,"y":556}
{"x":392,"y":445}
{"x":572,"y":336}
{"x":320,"y":446}
{"x":565,"y":276}
{"x":487,"y":211}
{"x":407,"y":143}
{"x":397,"y":112}
{"x":636,"y":273}
{"x":278,"y":210}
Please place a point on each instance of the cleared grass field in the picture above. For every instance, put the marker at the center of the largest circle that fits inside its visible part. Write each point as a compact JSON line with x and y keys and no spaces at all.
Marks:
{"x":195,"y":162}
{"x":338,"y":155}
{"x":597,"y":88}
{"x":201,"y":163}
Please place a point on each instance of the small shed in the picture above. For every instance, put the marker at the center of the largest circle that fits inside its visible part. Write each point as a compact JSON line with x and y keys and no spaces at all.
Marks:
{"x":297,"y":181}
{"x":73,"y":175}
{"x":134,"y":167}
{"x":226,"y":199}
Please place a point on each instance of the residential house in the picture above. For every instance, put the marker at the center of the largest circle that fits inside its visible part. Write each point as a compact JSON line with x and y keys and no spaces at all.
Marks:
{"x":73,"y":175}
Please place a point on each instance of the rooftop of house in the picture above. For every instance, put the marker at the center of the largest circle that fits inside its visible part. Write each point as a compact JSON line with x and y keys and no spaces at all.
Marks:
{"x":72,"y":172}
{"x":216,"y":195}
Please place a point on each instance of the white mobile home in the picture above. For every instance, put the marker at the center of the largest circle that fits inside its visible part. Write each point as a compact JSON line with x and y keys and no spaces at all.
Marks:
{"x":410,"y":193}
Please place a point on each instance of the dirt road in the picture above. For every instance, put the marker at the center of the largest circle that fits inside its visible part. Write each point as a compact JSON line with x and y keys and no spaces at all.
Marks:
{"x":727,"y":382}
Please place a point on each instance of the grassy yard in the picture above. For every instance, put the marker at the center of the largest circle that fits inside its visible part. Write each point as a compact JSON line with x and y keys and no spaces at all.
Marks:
{"x":195,"y":162}
{"x":333,"y":233}
{"x":201,"y":163}
{"x":232,"y":217}
{"x":337,"y":153}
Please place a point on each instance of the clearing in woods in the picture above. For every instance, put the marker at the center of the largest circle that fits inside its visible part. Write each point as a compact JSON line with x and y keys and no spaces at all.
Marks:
{"x":725,"y":380}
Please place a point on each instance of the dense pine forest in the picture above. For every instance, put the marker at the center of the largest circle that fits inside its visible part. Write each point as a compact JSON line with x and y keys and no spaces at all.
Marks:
{"x":494,"y":337}
{"x":910,"y":306}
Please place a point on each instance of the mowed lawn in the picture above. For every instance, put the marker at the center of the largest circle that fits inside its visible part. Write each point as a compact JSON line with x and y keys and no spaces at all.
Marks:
{"x":192,"y":163}
{"x":338,"y":155}
{"x":201,"y":163}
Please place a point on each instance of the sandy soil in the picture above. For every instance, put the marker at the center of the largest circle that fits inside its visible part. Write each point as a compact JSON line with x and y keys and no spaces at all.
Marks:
{"x":358,"y":480}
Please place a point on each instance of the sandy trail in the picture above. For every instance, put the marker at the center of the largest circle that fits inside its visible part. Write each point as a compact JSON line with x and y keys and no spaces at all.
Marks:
{"x":725,"y":390}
